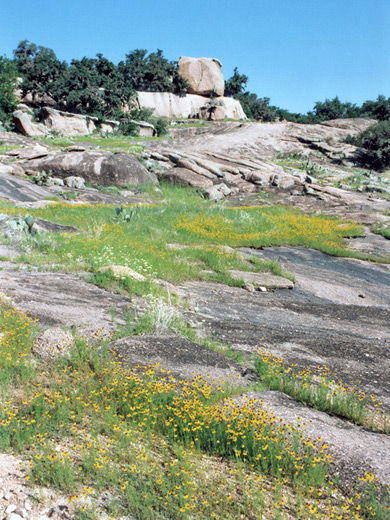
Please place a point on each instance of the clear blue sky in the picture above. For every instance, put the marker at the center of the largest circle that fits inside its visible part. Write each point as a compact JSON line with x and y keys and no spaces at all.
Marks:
{"x":295,"y":52}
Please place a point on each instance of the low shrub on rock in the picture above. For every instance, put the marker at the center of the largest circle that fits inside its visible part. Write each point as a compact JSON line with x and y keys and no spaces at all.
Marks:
{"x":375,"y":142}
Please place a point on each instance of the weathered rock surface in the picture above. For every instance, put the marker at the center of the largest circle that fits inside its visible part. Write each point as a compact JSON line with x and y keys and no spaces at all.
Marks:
{"x":269,"y":281}
{"x":185,"y":177}
{"x":323,"y":320}
{"x":336,"y":315}
{"x":52,"y":120}
{"x":185,"y":359}
{"x":52,"y":343}
{"x":204,"y":75}
{"x":268,"y":139}
{"x":97,"y":167}
{"x":30,"y":152}
{"x":166,"y":104}
{"x":27,"y":194}
{"x":15,"y":189}
{"x":14,"y":139}
{"x":73,"y":124}
{"x":145,"y":129}
{"x":229,"y":174}
{"x":58,"y":300}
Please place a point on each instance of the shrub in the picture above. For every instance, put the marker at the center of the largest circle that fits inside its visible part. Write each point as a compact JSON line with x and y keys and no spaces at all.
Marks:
{"x":161,"y":126}
{"x":375,"y":141}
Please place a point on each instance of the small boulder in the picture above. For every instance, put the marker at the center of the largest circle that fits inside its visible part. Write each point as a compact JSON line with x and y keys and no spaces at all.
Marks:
{"x":75,"y":182}
{"x":120,"y":271}
{"x":217,"y":192}
{"x":282,"y":181}
{"x":17,"y":170}
{"x":263,"y":280}
{"x":145,"y":129}
{"x":53,"y":342}
{"x":75,"y":148}
{"x":185,"y":177}
{"x":32,"y":152}
{"x":5,"y":168}
{"x":212,"y":112}
{"x":73,"y":124}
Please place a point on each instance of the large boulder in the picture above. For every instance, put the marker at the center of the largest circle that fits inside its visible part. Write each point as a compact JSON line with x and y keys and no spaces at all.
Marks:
{"x":166,"y":104}
{"x":204,"y":75}
{"x":96,"y":167}
{"x":25,"y":125}
{"x":65,"y":123}
{"x":73,"y":124}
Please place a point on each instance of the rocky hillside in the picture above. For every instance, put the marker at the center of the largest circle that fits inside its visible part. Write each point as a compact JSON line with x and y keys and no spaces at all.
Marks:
{"x":319,"y":319}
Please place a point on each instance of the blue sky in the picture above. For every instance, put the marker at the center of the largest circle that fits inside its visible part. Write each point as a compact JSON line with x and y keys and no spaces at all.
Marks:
{"x":295,"y":52}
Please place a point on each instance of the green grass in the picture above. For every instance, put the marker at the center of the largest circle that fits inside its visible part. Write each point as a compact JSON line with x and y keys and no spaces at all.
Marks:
{"x":184,"y":123}
{"x":199,"y":228}
{"x":299,"y":162}
{"x":382,"y":229}
{"x":4,"y":148}
{"x":321,"y":392}
{"x":111,"y":142}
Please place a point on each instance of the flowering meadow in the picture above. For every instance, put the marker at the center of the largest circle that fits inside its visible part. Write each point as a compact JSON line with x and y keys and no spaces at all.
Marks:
{"x":201,"y":229}
{"x":153,"y":446}
{"x":158,"y":447}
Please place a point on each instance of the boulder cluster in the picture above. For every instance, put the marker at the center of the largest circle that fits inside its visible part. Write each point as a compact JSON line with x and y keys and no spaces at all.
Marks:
{"x":220,"y":174}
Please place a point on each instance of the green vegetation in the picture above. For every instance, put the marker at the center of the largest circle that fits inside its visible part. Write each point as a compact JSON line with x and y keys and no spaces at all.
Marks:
{"x":158,"y":447}
{"x":4,"y":148}
{"x":112,"y":142}
{"x":320,"y":391}
{"x":152,"y":73}
{"x":90,"y":86}
{"x":96,"y":86}
{"x":382,"y":229}
{"x":8,"y":77}
{"x":260,"y":109}
{"x":375,"y":142}
{"x":196,"y":229}
{"x":299,"y":162}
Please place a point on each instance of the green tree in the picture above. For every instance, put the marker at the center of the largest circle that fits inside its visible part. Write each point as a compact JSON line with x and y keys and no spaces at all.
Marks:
{"x":255,"y":107}
{"x":379,"y":109}
{"x":40,"y":69}
{"x":236,"y":84}
{"x":333,"y":109}
{"x":8,"y":82}
{"x":152,"y":73}
{"x":94,"y":86}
